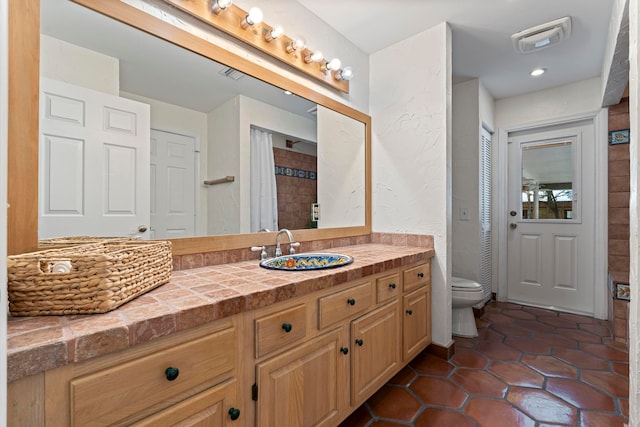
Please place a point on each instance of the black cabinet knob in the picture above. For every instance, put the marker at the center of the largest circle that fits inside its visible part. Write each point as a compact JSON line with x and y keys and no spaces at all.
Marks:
{"x":171,"y":373}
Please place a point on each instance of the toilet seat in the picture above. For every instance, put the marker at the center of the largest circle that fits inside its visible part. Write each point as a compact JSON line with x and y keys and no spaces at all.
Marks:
{"x":465,"y":284}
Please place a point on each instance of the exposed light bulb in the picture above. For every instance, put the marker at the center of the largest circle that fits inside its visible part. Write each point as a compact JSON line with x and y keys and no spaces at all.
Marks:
{"x":344,"y":74}
{"x":218,"y":6}
{"x":316,"y":56}
{"x":297,"y":44}
{"x":538,"y":72}
{"x":254,"y":17}
{"x":332,"y":65}
{"x":275,"y":32}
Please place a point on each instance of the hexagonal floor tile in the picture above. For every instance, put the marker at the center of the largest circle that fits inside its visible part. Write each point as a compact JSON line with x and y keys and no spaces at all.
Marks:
{"x":543,"y":406}
{"x":605,"y":352}
{"x":404,"y":377}
{"x":550,"y":366}
{"x":476,"y":381}
{"x":431,"y":365}
{"x":608,"y":382}
{"x":596,"y":419}
{"x":488,"y":412}
{"x":516,"y":374}
{"x":439,"y":392}
{"x":579,"y":394}
{"x":555,"y":340}
{"x":434,"y":417}
{"x":528,"y":345}
{"x":498,"y":351}
{"x":581,"y":336}
{"x":469,"y":359}
{"x":405,"y":406}
{"x":535,"y":326}
{"x":519,"y":314}
{"x":580,"y":358}
{"x":510,"y":329}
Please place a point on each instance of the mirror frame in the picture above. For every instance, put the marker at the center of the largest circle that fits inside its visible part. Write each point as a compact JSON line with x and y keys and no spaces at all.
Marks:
{"x":23,"y":126}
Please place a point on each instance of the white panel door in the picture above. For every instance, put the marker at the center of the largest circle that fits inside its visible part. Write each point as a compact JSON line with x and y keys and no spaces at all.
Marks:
{"x":173,"y":185}
{"x":551,"y":219}
{"x":94,"y":163}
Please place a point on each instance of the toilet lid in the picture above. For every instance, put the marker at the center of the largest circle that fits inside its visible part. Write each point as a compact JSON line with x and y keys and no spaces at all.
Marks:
{"x":459,"y":282}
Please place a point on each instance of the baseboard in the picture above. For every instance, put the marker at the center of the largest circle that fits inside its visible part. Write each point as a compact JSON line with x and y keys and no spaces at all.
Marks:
{"x":445,"y":353}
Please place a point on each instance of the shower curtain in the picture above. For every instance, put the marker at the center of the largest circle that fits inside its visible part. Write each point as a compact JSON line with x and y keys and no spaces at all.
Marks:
{"x":264,"y":199}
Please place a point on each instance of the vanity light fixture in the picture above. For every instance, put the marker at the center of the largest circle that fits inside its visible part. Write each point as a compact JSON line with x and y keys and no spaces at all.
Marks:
{"x":537,"y":72}
{"x":253,"y":17}
{"x":218,"y":6}
{"x":345,"y":73}
{"x":296,"y":44}
{"x":316,"y":56}
{"x":333,"y":65}
{"x":274,"y":33}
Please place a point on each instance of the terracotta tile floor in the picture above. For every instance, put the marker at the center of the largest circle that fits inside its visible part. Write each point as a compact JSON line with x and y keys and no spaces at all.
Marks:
{"x":527,"y":367}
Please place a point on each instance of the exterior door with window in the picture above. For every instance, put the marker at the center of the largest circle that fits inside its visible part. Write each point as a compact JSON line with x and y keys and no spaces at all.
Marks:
{"x":551,"y":219}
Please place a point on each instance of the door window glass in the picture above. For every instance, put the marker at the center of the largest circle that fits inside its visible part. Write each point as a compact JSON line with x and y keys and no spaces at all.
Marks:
{"x":548,"y":190}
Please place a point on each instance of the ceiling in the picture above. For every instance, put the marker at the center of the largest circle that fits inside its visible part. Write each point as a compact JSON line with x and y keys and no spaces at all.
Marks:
{"x":481,"y":36}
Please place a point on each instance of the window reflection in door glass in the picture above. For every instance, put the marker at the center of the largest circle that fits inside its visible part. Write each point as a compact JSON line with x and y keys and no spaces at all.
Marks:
{"x":547,"y":180}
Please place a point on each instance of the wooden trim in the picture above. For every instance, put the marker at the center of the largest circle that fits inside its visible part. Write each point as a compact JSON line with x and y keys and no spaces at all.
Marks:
{"x":445,"y":353}
{"x":229,"y":22}
{"x":22,"y":156}
{"x":24,"y":59}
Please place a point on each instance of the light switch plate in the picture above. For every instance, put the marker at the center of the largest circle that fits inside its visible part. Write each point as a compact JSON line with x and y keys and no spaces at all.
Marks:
{"x":463,"y":214}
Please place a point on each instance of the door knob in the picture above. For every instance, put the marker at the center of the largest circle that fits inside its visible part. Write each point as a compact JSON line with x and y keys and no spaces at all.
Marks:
{"x":142,"y":228}
{"x":513,"y":226}
{"x":513,"y":213}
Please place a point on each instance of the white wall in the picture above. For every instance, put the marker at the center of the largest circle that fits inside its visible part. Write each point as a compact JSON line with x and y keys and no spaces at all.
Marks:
{"x":175,"y":119}
{"x":73,"y":64}
{"x":465,"y":234}
{"x":634,"y":211}
{"x":561,"y":101}
{"x":411,"y":123}
{"x":4,"y":112}
{"x":341,"y":170}
{"x":472,"y":107}
{"x":295,"y":19}
{"x":223,"y":159}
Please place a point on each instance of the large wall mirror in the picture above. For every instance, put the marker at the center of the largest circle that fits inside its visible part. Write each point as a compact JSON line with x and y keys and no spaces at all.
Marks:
{"x":172,"y":111}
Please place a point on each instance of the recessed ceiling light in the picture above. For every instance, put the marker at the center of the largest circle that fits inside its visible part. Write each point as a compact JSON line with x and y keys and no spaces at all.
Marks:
{"x":287,"y":92}
{"x":537,"y":72}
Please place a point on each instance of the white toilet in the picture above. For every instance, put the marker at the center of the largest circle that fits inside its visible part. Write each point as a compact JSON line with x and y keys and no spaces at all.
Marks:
{"x":465,"y":294}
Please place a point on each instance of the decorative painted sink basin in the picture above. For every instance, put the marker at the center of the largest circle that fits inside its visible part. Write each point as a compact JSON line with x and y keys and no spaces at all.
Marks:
{"x":301,"y":262}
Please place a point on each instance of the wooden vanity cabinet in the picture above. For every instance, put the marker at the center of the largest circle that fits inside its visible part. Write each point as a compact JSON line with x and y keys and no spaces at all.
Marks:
{"x":188,"y":378}
{"x":356,"y":337}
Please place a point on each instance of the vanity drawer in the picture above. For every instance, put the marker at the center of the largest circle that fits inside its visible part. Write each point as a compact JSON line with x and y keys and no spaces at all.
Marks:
{"x":416,"y":276}
{"x":280,"y":329}
{"x":387,"y":287}
{"x":114,"y":394}
{"x":344,"y":304}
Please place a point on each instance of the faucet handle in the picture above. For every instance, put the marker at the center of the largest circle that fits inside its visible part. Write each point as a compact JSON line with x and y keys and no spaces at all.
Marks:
{"x":261,"y":249}
{"x":292,"y":247}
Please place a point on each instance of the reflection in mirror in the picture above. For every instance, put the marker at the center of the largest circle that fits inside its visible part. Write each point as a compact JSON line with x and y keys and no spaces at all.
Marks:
{"x":197,"y":115}
{"x":548,"y":180}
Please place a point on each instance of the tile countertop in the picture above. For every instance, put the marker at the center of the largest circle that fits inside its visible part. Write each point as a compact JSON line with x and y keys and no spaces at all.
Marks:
{"x":192,"y":298}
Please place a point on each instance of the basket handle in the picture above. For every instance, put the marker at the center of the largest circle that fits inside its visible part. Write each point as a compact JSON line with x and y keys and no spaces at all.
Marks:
{"x":56,"y":266}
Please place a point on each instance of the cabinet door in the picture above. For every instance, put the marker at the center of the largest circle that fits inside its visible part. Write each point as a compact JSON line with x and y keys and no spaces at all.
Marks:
{"x":211,"y":408}
{"x":306,"y":386}
{"x":416,"y":322}
{"x":375,"y":341}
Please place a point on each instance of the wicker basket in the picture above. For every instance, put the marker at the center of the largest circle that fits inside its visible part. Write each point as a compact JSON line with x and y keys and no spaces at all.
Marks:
{"x":85,"y":279}
{"x":65,"y":242}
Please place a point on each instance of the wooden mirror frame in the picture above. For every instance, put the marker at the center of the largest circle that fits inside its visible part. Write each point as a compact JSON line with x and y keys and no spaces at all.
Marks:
{"x":23,"y":124}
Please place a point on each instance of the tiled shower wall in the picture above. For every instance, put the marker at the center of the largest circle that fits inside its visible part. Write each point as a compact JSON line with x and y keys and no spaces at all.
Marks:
{"x":619,"y":221}
{"x":295,"y":194}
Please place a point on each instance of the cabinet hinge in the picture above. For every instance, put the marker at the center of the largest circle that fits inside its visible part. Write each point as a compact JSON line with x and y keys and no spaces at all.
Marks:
{"x":254,"y":392}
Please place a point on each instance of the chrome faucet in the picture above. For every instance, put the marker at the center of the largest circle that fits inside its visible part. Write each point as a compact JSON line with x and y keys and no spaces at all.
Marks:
{"x":291,"y":242}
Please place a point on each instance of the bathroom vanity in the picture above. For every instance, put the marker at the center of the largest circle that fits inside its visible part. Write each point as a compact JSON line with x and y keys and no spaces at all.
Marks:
{"x":229,"y":345}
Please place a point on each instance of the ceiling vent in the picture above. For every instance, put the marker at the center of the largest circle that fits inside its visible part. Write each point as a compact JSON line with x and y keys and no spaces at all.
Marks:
{"x":232,"y":73}
{"x":542,"y":36}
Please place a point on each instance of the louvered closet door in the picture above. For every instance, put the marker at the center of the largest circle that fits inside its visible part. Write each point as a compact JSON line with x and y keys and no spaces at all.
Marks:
{"x":485,"y":212}
{"x":94,"y":163}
